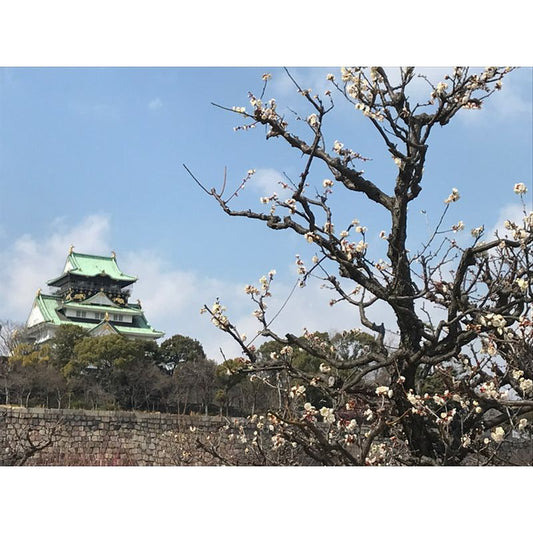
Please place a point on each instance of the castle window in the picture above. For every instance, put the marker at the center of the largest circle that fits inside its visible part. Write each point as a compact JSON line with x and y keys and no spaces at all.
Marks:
{"x":81,"y":314}
{"x":117,"y":318}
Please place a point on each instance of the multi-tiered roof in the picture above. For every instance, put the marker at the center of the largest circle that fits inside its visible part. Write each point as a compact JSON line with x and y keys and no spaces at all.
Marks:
{"x":92,"y":292}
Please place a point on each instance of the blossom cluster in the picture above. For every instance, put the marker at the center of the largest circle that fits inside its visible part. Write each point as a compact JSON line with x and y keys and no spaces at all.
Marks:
{"x":378,"y":454}
{"x":346,"y":153}
{"x":495,"y":321}
{"x":384,"y":391}
{"x":296,"y":391}
{"x":285,"y":353}
{"x":525,"y":385}
{"x":454,"y":196}
{"x":491,"y":390}
{"x":266,"y":113}
{"x":468,"y":85}
{"x":519,"y":233}
{"x":498,"y":434}
{"x":367,"y":112}
{"x":302,"y":271}
{"x":351,"y":249}
{"x":439,"y":91}
{"x":441,"y":408}
{"x":319,"y":343}
{"x":476,"y":232}
{"x":218,"y":318}
{"x":458,"y":227}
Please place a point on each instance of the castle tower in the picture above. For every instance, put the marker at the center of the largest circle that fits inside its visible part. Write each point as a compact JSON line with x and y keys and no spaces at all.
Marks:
{"x":92,"y":292}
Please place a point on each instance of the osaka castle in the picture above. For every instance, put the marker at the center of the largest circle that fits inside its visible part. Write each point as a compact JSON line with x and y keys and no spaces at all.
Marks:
{"x":92,"y":292}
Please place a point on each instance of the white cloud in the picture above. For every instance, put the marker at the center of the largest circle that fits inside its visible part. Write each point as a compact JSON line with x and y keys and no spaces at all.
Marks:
{"x":29,"y":262}
{"x":512,"y":212}
{"x":267,"y":182}
{"x":171,"y":297}
{"x":155,"y":104}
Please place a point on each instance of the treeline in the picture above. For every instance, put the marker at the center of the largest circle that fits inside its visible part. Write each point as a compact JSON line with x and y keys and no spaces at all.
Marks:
{"x":76,"y":371}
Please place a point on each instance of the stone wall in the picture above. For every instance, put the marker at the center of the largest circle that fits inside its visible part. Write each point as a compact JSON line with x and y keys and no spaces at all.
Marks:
{"x":98,"y":438}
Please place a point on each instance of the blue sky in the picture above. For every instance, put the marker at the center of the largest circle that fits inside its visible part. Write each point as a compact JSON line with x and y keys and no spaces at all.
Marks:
{"x":93,"y":157}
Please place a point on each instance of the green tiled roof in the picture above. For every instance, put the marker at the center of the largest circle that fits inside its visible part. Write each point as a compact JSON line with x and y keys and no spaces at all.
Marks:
{"x":48,"y":306}
{"x":128,"y":310}
{"x":92,"y":266}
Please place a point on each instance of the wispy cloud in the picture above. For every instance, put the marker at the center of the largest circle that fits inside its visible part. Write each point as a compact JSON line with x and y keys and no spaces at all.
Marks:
{"x":267,"y":182}
{"x":511,"y":212}
{"x":514,"y":99}
{"x":155,"y":104}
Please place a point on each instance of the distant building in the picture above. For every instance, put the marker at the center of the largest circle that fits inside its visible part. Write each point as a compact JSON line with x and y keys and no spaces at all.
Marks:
{"x":92,"y":292}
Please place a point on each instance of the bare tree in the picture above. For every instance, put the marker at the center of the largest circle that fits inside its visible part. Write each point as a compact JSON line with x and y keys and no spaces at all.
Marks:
{"x":18,"y":443}
{"x":10,"y":337}
{"x":463,"y":314}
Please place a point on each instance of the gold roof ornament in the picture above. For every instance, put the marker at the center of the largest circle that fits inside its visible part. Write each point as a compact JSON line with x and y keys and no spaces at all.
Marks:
{"x":106,"y":318}
{"x":139,"y":302}
{"x":38,"y":292}
{"x":113,"y":255}
{"x":71,"y":249}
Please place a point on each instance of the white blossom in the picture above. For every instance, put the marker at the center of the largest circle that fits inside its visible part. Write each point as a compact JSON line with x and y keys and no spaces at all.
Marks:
{"x":522,"y":283}
{"x":495,"y":321}
{"x":454,"y":196}
{"x":520,"y":188}
{"x":337,"y":146}
{"x":383,"y":391}
{"x":368,"y":414}
{"x":329,"y":227}
{"x":309,"y":407}
{"x":498,"y":434}
{"x":441,"y":87}
{"x":327,"y":414}
{"x":250,"y":289}
{"x":526,"y":385}
{"x":313,"y":121}
{"x":287,"y":350}
{"x":458,"y":227}
{"x":324,"y":368}
{"x":476,"y":232}
{"x":297,"y":391}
